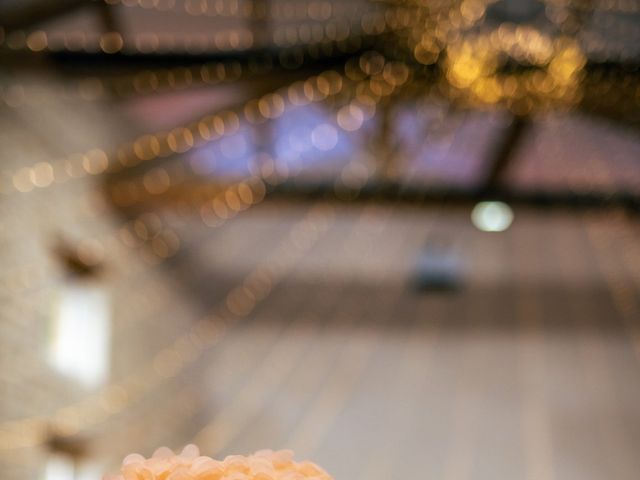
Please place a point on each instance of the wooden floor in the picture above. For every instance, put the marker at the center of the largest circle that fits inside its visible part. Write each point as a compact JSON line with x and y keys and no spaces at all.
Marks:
{"x":530,"y":370}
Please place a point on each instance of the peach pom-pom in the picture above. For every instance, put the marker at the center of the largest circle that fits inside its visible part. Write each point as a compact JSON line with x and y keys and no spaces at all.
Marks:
{"x":190,"y":465}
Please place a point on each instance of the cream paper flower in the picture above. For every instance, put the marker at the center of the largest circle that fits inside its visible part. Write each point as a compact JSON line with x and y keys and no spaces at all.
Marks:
{"x":190,"y":465}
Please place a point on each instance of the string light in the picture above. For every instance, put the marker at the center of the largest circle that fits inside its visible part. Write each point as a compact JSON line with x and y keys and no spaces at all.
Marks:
{"x":237,"y":413}
{"x":149,"y":147}
{"x":337,"y":30}
{"x":614,"y":6}
{"x":169,"y":362}
{"x":130,"y":234}
{"x":125,"y":194}
{"x":434,"y":33}
{"x":471,"y":65}
{"x":317,"y":10}
{"x":473,"y":69}
{"x":186,"y":405}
